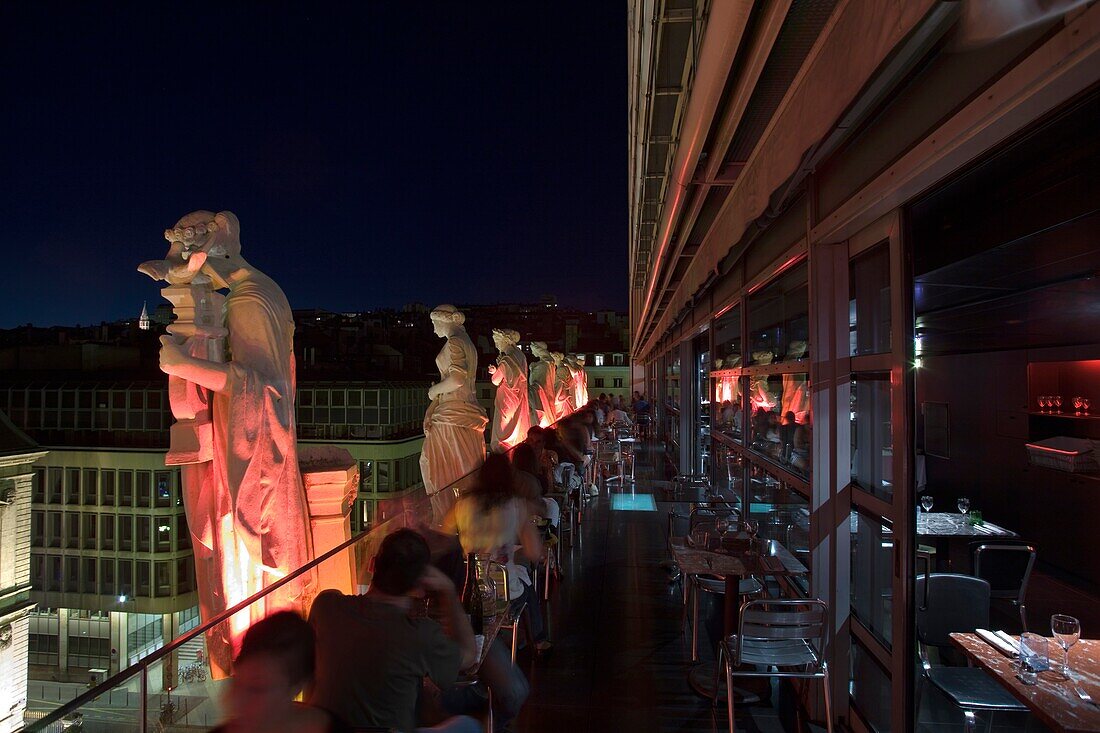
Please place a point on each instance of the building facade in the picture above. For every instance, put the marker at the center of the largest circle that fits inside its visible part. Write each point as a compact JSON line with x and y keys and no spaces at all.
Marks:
{"x":110,"y":565}
{"x":830,"y":205}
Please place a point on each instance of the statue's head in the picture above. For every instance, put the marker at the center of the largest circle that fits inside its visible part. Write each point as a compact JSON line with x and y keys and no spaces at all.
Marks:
{"x":445,"y":319}
{"x":539,"y":349}
{"x":558,"y":357}
{"x":580,"y":359}
{"x":505,"y":338}
{"x":202,"y":238}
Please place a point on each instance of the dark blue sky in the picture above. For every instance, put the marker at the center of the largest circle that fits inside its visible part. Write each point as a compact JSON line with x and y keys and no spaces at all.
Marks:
{"x":376,"y":153}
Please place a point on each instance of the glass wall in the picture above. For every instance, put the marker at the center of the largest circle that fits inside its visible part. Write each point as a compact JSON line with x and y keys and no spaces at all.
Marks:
{"x":779,"y":319}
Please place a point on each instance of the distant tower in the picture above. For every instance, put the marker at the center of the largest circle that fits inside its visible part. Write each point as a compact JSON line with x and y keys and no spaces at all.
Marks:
{"x":143,"y":319}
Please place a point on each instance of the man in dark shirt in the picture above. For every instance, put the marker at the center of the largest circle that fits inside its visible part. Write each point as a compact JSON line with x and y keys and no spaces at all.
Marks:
{"x":373,"y":651}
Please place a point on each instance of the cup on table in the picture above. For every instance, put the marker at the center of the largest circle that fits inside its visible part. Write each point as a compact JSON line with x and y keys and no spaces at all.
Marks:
{"x":975,"y":519}
{"x":926,"y":502}
{"x":964,"y":505}
{"x":1034,"y":658}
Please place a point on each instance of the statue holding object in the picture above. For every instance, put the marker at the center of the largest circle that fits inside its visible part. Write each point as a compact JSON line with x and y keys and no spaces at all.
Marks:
{"x":234,"y":438}
{"x":512,"y":415}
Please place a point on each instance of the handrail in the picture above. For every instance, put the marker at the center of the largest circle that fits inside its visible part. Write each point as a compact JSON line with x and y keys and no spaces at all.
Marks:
{"x":142,"y":665}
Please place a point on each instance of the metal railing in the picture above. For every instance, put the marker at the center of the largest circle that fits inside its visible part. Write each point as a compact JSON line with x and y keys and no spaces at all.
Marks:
{"x":413,"y":511}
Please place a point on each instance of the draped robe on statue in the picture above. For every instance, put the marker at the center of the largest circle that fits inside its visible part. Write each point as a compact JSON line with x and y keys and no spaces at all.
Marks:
{"x":512,"y":417}
{"x":540,"y":392}
{"x":580,"y":386}
{"x":563,"y":391}
{"x":255,"y":517}
{"x":454,"y":426}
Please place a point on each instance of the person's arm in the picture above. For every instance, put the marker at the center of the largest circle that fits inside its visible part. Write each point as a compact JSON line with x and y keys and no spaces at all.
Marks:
{"x":529,"y":540}
{"x":452,"y":616}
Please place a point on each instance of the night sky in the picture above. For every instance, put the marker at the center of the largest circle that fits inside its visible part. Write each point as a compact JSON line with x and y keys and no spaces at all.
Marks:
{"x":377,"y":154}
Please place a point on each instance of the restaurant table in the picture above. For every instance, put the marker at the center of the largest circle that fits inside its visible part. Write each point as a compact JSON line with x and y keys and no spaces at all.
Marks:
{"x":951,"y":534}
{"x":1052,"y":699}
{"x":733,"y":565}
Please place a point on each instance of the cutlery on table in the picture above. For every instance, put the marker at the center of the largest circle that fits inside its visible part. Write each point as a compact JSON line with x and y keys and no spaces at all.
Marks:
{"x":1012,"y":643}
{"x":997,"y":643}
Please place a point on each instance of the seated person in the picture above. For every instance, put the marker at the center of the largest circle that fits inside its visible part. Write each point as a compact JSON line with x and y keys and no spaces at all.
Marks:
{"x":374,"y":650}
{"x":275,"y":662}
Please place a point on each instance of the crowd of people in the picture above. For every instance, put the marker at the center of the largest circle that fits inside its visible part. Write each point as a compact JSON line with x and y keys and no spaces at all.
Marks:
{"x":399,"y":656}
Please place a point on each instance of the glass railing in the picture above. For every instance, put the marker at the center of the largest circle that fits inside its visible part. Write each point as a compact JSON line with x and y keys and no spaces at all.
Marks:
{"x":165,"y":693}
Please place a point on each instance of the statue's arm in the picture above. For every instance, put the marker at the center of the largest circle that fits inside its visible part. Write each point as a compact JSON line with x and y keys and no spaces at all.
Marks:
{"x":456,"y":372}
{"x":175,"y":360}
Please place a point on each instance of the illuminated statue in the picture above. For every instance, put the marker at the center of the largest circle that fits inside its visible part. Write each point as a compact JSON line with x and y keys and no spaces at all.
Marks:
{"x":540,"y":386}
{"x":454,"y":426}
{"x":563,"y":386}
{"x":234,"y":438}
{"x":512,"y":417}
{"x":580,"y":380}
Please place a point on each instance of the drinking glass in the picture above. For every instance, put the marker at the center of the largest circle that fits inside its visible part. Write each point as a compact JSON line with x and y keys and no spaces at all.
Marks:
{"x":1033,"y":658}
{"x":964,"y":505}
{"x":926,"y":502}
{"x":1077,"y":403}
{"x":1066,"y":630}
{"x":1058,"y":403}
{"x":1085,"y":404}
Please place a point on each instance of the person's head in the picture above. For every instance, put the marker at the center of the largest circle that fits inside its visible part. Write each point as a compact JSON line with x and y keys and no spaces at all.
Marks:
{"x":789,"y":418}
{"x":401,"y":560}
{"x":536,"y":437}
{"x":496,"y":482}
{"x":274,"y":663}
{"x":524,"y":458}
{"x":446,"y":319}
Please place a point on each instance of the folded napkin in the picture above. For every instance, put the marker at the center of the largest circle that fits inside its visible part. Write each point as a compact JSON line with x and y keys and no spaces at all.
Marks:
{"x":998,"y":642}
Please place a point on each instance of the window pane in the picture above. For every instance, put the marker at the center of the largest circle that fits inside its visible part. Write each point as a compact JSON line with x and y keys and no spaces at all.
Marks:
{"x":107,"y":488}
{"x":869,"y":302}
{"x":107,"y":531}
{"x":781,"y":423}
{"x":72,"y":487}
{"x":163,"y":488}
{"x":53,"y":494}
{"x":144,"y":490}
{"x":143,"y":532}
{"x":125,"y":488}
{"x":727,"y":339}
{"x":90,"y":526}
{"x":728,"y":411}
{"x":91,"y":486}
{"x":872,"y":447}
{"x":872,"y":575}
{"x":779,"y":320}
{"x":783,"y":514}
{"x":870,"y":688}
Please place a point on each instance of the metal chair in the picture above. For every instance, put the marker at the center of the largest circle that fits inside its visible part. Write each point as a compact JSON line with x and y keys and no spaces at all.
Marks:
{"x":512,"y":619}
{"x":783,"y":634}
{"x":950,"y":603}
{"x":609,"y":457}
{"x":1007,"y":568}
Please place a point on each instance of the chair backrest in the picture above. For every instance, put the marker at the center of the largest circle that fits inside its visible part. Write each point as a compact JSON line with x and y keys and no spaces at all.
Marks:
{"x":772,"y":621}
{"x":950,"y":603}
{"x":607,"y":450}
{"x":565,"y":473}
{"x":1005,"y":566}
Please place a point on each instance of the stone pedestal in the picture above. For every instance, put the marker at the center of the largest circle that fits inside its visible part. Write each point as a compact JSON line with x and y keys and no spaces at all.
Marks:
{"x":331,"y":478}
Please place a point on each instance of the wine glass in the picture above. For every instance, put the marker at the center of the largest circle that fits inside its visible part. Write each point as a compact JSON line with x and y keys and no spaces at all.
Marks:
{"x":1066,"y":630}
{"x":964,"y":505}
{"x":1085,"y":404}
{"x":1057,"y":403}
{"x":1077,"y":404}
{"x":926,"y":502}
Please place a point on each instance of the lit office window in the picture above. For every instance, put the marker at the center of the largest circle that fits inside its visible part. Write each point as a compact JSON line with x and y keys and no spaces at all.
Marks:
{"x":599,"y":359}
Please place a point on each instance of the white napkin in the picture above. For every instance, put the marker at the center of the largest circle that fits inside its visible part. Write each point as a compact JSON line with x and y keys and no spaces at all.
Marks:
{"x":998,"y":643}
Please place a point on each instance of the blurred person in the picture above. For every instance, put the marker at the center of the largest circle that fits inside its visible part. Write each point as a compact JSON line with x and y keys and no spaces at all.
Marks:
{"x":275,"y":662}
{"x":374,"y":650}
